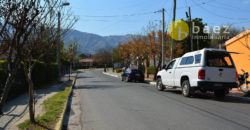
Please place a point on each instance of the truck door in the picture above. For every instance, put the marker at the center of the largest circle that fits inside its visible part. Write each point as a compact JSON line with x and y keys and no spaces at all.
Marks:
{"x":168,"y":76}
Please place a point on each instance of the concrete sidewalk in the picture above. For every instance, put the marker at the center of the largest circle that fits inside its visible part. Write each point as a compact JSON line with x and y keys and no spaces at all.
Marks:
{"x":16,"y":110}
{"x":234,"y":92}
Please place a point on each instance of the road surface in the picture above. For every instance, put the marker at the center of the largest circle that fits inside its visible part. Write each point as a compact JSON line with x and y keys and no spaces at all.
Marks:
{"x":107,"y":103}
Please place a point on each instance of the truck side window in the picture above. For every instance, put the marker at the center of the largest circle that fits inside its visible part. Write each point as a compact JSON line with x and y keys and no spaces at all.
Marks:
{"x":190,"y":60}
{"x":183,"y":61}
{"x":197,"y":59}
{"x":171,"y":65}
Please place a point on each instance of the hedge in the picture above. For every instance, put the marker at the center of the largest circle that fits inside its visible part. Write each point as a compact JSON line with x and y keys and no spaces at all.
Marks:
{"x":42,"y":74}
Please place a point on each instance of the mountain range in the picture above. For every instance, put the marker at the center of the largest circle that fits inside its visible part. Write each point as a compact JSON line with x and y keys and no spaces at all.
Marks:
{"x":90,"y":43}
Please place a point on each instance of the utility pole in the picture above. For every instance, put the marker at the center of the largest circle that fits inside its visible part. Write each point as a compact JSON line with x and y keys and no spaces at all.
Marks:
{"x":58,"y":56}
{"x":190,"y":29}
{"x":163,"y":38}
{"x":58,"y":44}
{"x":172,"y":40}
{"x":198,"y":48}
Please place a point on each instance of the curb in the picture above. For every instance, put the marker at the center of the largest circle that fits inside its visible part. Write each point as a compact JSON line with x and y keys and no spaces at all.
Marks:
{"x":59,"y":123}
{"x":243,"y":98}
{"x":150,"y":82}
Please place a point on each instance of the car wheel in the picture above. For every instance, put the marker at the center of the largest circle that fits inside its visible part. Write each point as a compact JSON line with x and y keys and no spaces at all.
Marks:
{"x":220,"y":93}
{"x":159,"y":85}
{"x":186,"y":89}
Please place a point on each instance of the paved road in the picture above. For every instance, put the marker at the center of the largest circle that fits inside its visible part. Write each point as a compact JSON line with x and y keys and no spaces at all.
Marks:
{"x":109,"y":104}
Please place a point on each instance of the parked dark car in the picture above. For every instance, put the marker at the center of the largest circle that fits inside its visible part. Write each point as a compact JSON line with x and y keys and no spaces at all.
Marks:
{"x":132,"y":75}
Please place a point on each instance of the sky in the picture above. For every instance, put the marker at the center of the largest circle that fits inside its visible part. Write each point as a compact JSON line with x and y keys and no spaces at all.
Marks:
{"x":120,"y":17}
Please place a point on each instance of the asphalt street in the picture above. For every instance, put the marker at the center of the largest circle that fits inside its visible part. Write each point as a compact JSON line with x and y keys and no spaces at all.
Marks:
{"x":107,"y":103}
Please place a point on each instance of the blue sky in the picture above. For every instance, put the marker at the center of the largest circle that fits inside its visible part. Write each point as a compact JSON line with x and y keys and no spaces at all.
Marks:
{"x":119,"y":17}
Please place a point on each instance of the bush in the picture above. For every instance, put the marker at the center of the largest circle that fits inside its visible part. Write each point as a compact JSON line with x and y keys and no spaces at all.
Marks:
{"x":42,"y":74}
{"x":151,"y":70}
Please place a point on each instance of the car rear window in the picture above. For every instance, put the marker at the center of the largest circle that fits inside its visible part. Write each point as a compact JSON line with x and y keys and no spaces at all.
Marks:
{"x":218,"y":59}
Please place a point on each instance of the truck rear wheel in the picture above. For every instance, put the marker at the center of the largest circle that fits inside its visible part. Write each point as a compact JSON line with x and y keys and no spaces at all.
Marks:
{"x":187,"y":91}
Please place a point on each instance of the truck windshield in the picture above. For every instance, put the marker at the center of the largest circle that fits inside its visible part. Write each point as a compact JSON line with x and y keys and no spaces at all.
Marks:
{"x":218,"y":59}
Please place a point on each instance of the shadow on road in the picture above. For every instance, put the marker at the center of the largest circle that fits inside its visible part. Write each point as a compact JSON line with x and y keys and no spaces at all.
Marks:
{"x":83,"y":77}
{"x":210,"y":96}
{"x":96,"y":87}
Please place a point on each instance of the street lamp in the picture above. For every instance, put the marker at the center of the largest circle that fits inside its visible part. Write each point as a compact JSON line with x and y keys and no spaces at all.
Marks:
{"x":59,"y":39}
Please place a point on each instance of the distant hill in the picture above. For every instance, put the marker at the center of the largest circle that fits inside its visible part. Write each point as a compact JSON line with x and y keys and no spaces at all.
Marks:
{"x":91,"y":43}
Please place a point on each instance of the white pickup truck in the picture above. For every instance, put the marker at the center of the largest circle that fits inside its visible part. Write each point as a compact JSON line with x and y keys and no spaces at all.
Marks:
{"x":204,"y":70}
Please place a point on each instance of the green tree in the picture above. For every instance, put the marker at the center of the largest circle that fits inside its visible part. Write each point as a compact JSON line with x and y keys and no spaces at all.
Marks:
{"x":203,"y":38}
{"x":70,"y":53}
{"x":115,"y":55}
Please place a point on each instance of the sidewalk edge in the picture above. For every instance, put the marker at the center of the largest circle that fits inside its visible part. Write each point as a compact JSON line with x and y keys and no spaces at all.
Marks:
{"x":59,"y":123}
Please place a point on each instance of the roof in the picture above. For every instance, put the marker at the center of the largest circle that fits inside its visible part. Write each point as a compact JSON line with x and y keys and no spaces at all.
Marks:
{"x":237,"y":37}
{"x":202,"y":50}
{"x":87,"y":60}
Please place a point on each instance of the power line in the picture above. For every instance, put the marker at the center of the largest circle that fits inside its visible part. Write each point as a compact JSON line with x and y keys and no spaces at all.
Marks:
{"x":196,"y":4}
{"x":123,"y":15}
{"x":227,"y":7}
{"x":221,"y":16}
{"x":232,"y":7}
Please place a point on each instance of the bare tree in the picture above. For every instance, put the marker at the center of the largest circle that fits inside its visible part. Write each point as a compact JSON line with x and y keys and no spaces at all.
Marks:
{"x":30,"y":29}
{"x":15,"y":33}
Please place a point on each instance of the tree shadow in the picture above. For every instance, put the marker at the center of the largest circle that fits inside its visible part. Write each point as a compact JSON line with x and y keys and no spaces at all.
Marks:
{"x":12,"y":106}
{"x":68,"y":112}
{"x":43,"y":126}
{"x":96,"y":87}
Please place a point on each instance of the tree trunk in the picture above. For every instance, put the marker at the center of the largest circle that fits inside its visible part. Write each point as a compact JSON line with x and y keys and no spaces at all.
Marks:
{"x":12,"y":69}
{"x":154,"y":62}
{"x":6,"y":90}
{"x":27,"y":71}
{"x":157,"y":69}
{"x":146,"y":69}
{"x":69,"y":70}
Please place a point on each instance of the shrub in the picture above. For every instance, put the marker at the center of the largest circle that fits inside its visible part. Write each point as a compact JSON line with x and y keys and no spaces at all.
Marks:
{"x":151,"y":70}
{"x":42,"y":74}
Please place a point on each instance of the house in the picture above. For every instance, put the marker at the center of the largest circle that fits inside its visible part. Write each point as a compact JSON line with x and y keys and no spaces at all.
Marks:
{"x":86,"y":62}
{"x":240,"y":44}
